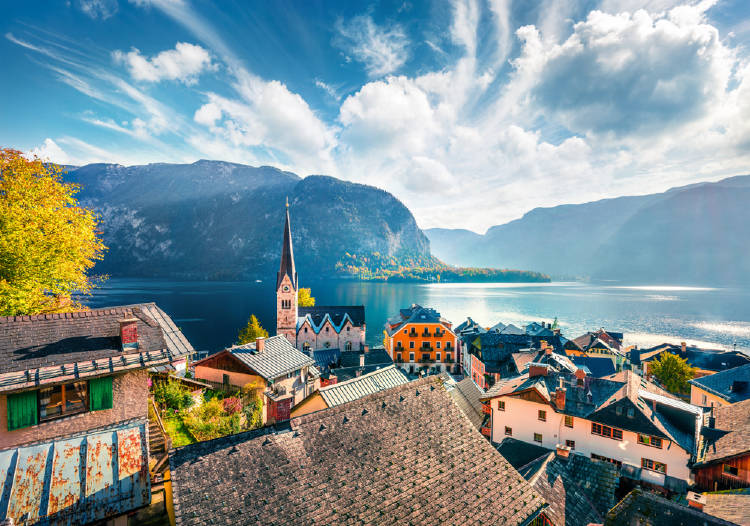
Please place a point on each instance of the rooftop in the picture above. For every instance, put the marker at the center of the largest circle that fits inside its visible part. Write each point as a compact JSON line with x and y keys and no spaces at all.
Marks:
{"x":350,"y":390}
{"x":732,"y":385}
{"x":640,"y":508}
{"x":336,"y":314}
{"x":732,"y":438}
{"x":414,"y":314}
{"x":730,"y":506}
{"x":356,"y":463}
{"x":466,"y":395}
{"x":279,"y":357}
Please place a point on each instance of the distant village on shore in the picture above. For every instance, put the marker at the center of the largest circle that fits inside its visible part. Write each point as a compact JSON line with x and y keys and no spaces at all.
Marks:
{"x":109,"y":416}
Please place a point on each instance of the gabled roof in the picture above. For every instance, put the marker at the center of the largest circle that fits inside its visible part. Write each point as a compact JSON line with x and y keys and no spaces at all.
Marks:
{"x":640,"y":508}
{"x":732,"y":385}
{"x":519,"y":453}
{"x":466,"y":395}
{"x":286,"y":267}
{"x":350,"y":390}
{"x":733,"y":437}
{"x":348,"y":366}
{"x":325,"y":358}
{"x":355,"y":463}
{"x":337,"y":315}
{"x":598,"y":366}
{"x":40,"y":349}
{"x":45,"y":482}
{"x":707,"y":359}
{"x":734,"y":507}
{"x":415,"y":314}
{"x":279,"y":357}
{"x":512,"y":329}
{"x":579,"y":490}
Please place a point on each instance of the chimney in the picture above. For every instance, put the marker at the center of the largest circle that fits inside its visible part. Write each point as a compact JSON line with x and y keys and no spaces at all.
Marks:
{"x":580,"y":375}
{"x":361,"y":359}
{"x":696,"y":500}
{"x":537,"y":370}
{"x":129,"y":334}
{"x":260,"y":344}
{"x":563,"y":452}
{"x":560,"y":398}
{"x":332,"y":379}
{"x":683,"y":349}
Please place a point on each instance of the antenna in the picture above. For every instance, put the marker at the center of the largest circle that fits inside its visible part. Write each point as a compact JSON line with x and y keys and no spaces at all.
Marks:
{"x":287,"y":201}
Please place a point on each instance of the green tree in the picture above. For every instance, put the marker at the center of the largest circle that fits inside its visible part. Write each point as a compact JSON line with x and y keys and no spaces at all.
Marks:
{"x":252,"y":331}
{"x":48,"y":242}
{"x":673,"y":372}
{"x":305,"y":298}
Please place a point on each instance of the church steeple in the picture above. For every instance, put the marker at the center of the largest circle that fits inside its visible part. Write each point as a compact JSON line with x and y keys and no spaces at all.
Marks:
{"x":287,"y":255}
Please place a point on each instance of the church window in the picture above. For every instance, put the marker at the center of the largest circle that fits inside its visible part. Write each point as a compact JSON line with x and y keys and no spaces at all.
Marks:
{"x":348,"y":346}
{"x":327,"y":345}
{"x":348,"y":329}
{"x":306,"y":345}
{"x":305,"y":329}
{"x":326,"y":329}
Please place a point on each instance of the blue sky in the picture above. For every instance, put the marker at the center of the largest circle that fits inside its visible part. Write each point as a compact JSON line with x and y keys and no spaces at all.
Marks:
{"x":471,"y":112}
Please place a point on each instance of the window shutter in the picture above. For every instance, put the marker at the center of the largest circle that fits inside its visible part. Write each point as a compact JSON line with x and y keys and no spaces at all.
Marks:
{"x":22,"y":410}
{"x":100,"y":393}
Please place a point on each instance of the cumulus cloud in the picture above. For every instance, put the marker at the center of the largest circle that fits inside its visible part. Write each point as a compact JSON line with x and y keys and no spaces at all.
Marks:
{"x":382,"y":50}
{"x":184,"y":63}
{"x":633,"y":72}
{"x":49,"y":150}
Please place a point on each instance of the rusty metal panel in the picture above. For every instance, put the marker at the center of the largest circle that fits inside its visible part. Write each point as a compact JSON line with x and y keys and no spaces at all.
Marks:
{"x":129,"y":452}
{"x":7,"y":458}
{"x":28,"y":483}
{"x":99,"y":475}
{"x":65,"y":484}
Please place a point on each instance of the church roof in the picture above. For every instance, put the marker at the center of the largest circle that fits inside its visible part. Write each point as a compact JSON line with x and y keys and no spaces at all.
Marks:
{"x":287,"y":255}
{"x":337,"y":315}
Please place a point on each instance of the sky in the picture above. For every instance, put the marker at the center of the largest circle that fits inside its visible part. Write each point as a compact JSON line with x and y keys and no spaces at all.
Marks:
{"x":471,"y":112}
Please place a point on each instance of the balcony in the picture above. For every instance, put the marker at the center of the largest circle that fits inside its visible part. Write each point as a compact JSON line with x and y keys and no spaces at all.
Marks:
{"x":426,"y":359}
{"x":486,"y":431}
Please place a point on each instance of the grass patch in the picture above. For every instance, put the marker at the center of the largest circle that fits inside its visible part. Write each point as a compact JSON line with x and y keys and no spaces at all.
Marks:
{"x":177,"y":430}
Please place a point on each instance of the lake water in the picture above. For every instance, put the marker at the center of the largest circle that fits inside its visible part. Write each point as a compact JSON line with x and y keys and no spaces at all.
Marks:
{"x":211,"y":313}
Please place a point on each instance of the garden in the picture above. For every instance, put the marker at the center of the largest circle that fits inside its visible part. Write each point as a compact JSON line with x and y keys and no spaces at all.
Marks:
{"x":190,"y":417}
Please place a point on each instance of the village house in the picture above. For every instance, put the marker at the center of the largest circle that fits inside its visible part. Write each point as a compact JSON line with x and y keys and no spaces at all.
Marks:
{"x":356,"y":463}
{"x":338,"y":366}
{"x":722,"y":388}
{"x":597,"y":344}
{"x":74,"y":412}
{"x":280,"y":374}
{"x":318,"y":327}
{"x":705,"y":361}
{"x":724,"y":456}
{"x":350,"y":390}
{"x":651,"y":436}
{"x":420,"y":338}
{"x":642,"y":508}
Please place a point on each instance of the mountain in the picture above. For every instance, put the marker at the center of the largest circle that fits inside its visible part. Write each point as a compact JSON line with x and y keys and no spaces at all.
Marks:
{"x":691,"y":234}
{"x":218,"y":220}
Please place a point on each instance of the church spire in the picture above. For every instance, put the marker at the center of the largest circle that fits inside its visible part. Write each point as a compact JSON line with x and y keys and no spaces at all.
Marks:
{"x":287,"y":254}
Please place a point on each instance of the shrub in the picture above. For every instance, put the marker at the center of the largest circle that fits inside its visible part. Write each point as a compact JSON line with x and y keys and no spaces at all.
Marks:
{"x":232,"y":405}
{"x":172,"y":394}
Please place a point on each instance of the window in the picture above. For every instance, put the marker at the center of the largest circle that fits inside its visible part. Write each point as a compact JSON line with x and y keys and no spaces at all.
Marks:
{"x":437,"y":356}
{"x":704,"y":400}
{"x":306,"y":346}
{"x":411,"y":345}
{"x":606,"y":459}
{"x":501,"y":405}
{"x":437,"y":344}
{"x":348,"y":346}
{"x":398,"y":357}
{"x":508,"y":431}
{"x":327,"y":345}
{"x":286,"y":304}
{"x":447,"y":357}
{"x":538,"y":437}
{"x":225,"y":379}
{"x":305,"y":330}
{"x":61,"y":400}
{"x":348,"y":329}
{"x":542,"y":415}
{"x":404,"y":331}
{"x":649,"y":441}
{"x":652,"y":465}
{"x":327,"y":329}
{"x":727,"y":469}
{"x":411,"y":356}
{"x":606,"y":431}
{"x":425,"y":345}
{"x":568,"y":421}
{"x":571,"y":444}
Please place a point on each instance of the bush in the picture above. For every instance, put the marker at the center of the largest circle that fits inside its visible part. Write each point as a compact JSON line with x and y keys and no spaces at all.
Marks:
{"x":173,"y":395}
{"x":253,"y":414}
{"x":232,"y":405}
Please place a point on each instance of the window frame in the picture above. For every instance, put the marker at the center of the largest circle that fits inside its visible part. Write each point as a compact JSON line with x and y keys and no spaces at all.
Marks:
{"x":728,"y":472}
{"x":501,"y":405}
{"x":651,"y":441}
{"x":571,"y":444}
{"x":541,"y":415}
{"x":541,"y":438}
{"x":653,"y":465}
{"x":568,"y":418}
{"x":508,"y":431}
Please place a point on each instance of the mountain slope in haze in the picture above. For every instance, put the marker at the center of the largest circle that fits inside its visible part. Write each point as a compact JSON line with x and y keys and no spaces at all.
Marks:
{"x":691,"y":234}
{"x":217,"y":220}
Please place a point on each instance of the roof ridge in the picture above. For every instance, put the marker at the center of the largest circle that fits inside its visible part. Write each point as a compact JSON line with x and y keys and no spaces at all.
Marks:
{"x":357,"y":378}
{"x":81,"y":313}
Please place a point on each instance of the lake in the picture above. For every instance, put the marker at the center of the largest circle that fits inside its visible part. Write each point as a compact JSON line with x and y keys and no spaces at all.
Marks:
{"x":211,"y":313}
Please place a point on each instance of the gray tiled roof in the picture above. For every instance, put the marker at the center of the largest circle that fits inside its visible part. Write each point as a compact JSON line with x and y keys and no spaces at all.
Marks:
{"x":358,"y":463}
{"x":356,"y":388}
{"x":734,"y":438}
{"x":279,"y":357}
{"x":724,"y":384}
{"x":734,"y":507}
{"x":640,"y":508}
{"x":466,"y":395}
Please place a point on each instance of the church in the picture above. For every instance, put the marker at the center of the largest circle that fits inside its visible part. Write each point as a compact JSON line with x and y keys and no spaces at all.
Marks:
{"x":313,"y":328}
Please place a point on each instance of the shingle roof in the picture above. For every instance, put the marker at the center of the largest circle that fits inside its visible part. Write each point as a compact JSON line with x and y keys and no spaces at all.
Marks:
{"x":520,"y":454}
{"x":405,"y":455}
{"x":377,"y":356}
{"x":356,"y":388}
{"x":727,"y":384}
{"x":78,"y":343}
{"x":116,"y":482}
{"x":279,"y":357}
{"x":706,"y":359}
{"x":579,"y":490}
{"x":598,"y":366}
{"x":734,"y":421}
{"x":337,"y":315}
{"x":466,"y":395}
{"x":414,"y":314}
{"x":734,"y":507}
{"x":640,"y":508}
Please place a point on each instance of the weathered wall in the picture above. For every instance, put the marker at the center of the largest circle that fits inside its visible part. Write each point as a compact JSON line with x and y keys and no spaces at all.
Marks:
{"x":130,"y":400}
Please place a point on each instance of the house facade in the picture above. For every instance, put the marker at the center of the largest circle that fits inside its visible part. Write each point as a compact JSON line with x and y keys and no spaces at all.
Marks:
{"x":419,"y":338}
{"x":650,"y":436}
{"x":74,"y":412}
{"x":281,"y":375}
{"x":313,"y":328}
{"x":722,"y":388}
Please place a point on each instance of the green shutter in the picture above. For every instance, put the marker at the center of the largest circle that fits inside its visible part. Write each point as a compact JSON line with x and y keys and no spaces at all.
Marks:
{"x":100,"y":393}
{"x":22,"y":410}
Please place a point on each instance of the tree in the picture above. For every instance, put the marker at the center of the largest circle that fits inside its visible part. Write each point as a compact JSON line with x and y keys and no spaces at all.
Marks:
{"x":252,"y":331}
{"x":305,"y":298}
{"x":48,"y":242}
{"x":673,"y":372}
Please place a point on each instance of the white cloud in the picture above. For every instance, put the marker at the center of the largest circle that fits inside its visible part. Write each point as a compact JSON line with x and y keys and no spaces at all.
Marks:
{"x":184,"y":63}
{"x":50,"y":151}
{"x":330,"y":90}
{"x":98,"y":8}
{"x":382,"y":50}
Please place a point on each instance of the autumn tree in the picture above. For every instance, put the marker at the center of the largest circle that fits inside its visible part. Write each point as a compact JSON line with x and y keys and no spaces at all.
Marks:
{"x":48,"y":242}
{"x":305,"y":298}
{"x":252,"y":331}
{"x":673,"y":372}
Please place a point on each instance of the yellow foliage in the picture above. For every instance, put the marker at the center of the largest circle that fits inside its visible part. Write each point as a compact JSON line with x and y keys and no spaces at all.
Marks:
{"x":48,"y":242}
{"x":305,"y":298}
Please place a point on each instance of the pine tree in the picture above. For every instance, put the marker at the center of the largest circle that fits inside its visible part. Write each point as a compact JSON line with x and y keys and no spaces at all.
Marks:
{"x":252,"y":331}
